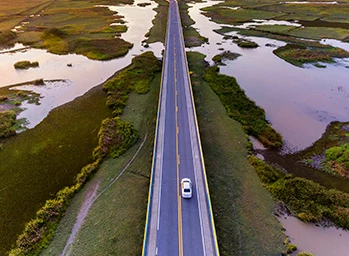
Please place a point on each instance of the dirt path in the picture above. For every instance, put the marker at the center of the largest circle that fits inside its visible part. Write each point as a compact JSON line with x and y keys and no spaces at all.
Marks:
{"x":90,"y":197}
{"x":88,"y":201}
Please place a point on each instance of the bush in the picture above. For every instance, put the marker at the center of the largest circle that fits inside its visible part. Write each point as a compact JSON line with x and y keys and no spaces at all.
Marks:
{"x":310,"y":201}
{"x":7,"y":36}
{"x":7,"y":122}
{"x":26,"y":64}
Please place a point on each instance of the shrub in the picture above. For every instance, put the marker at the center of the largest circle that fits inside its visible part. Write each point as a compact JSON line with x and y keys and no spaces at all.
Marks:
{"x":26,"y":64}
{"x":7,"y":36}
{"x":7,"y":122}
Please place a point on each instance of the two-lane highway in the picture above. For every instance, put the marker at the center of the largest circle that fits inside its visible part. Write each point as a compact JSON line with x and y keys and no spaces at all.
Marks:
{"x":177,"y":226}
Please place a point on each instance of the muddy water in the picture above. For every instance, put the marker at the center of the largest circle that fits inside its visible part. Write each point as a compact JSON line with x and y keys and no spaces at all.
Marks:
{"x":299,"y":103}
{"x":74,"y":81}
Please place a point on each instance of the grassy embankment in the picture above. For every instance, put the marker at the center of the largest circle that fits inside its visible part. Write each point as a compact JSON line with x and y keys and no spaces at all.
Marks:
{"x":330,"y":153}
{"x":319,"y":21}
{"x":157,"y":32}
{"x":243,"y":209}
{"x":191,"y":37}
{"x":115,"y":137}
{"x":67,"y":26}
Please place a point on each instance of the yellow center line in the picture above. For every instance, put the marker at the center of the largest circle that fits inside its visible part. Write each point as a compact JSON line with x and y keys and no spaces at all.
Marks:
{"x":180,"y":233}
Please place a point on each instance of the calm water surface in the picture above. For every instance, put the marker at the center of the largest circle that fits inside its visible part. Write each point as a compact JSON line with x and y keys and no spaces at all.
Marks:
{"x":299,"y":102}
{"x":84,"y":74}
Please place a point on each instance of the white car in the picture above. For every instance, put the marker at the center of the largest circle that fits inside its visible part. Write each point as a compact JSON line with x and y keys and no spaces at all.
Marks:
{"x":187,"y":191}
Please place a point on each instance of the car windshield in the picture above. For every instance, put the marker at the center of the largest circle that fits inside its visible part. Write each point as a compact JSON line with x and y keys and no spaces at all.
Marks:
{"x":187,"y":190}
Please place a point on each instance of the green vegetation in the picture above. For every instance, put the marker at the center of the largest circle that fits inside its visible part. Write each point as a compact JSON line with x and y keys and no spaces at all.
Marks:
{"x":124,"y":204}
{"x":247,"y":44}
{"x":226,"y":55}
{"x":319,"y":21}
{"x":304,"y":254}
{"x":69,"y":26}
{"x":337,"y":159}
{"x":36,"y":166}
{"x":242,"y":109}
{"x":26,"y":64}
{"x":115,"y":138}
{"x":7,"y":122}
{"x":157,"y":32}
{"x":300,"y":54}
{"x":308,"y":200}
{"x":7,"y":37}
{"x":136,"y":78}
{"x":291,"y":248}
{"x":330,"y":152}
{"x":239,"y":201}
{"x":192,"y":38}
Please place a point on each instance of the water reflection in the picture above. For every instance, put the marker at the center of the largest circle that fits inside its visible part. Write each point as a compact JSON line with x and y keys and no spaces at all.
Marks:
{"x":329,"y":240}
{"x":83,"y":73}
{"x":299,"y":102}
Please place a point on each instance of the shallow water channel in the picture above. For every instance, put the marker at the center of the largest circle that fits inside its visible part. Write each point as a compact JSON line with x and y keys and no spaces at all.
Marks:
{"x":49,"y":155}
{"x":299,"y":103}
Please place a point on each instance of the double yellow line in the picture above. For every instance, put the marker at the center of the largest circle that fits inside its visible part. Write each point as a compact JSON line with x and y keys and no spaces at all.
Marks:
{"x":179,"y":200}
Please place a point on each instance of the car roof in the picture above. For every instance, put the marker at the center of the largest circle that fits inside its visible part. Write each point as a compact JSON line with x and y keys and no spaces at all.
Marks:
{"x":186,"y":180}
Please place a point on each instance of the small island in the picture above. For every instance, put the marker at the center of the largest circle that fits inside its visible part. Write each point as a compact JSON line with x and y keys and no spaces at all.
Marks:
{"x":26,"y":64}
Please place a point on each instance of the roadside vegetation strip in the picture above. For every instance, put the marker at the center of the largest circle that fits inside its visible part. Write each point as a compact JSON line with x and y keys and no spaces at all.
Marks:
{"x":242,"y":109}
{"x":238,"y":199}
{"x":158,"y":30}
{"x":308,"y":200}
{"x":191,"y":36}
{"x":115,"y":137}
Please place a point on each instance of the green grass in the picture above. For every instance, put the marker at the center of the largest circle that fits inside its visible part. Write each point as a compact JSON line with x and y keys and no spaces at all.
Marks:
{"x":36,"y":166}
{"x":241,"y":108}
{"x":117,"y":218}
{"x":300,"y":54}
{"x":158,"y":30}
{"x":192,"y":38}
{"x":239,"y":201}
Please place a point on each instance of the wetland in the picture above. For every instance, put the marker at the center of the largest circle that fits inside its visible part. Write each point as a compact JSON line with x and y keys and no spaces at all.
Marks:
{"x":299,"y":97}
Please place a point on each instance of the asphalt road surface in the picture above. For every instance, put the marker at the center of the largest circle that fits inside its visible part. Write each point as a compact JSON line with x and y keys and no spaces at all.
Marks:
{"x":177,"y":226}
